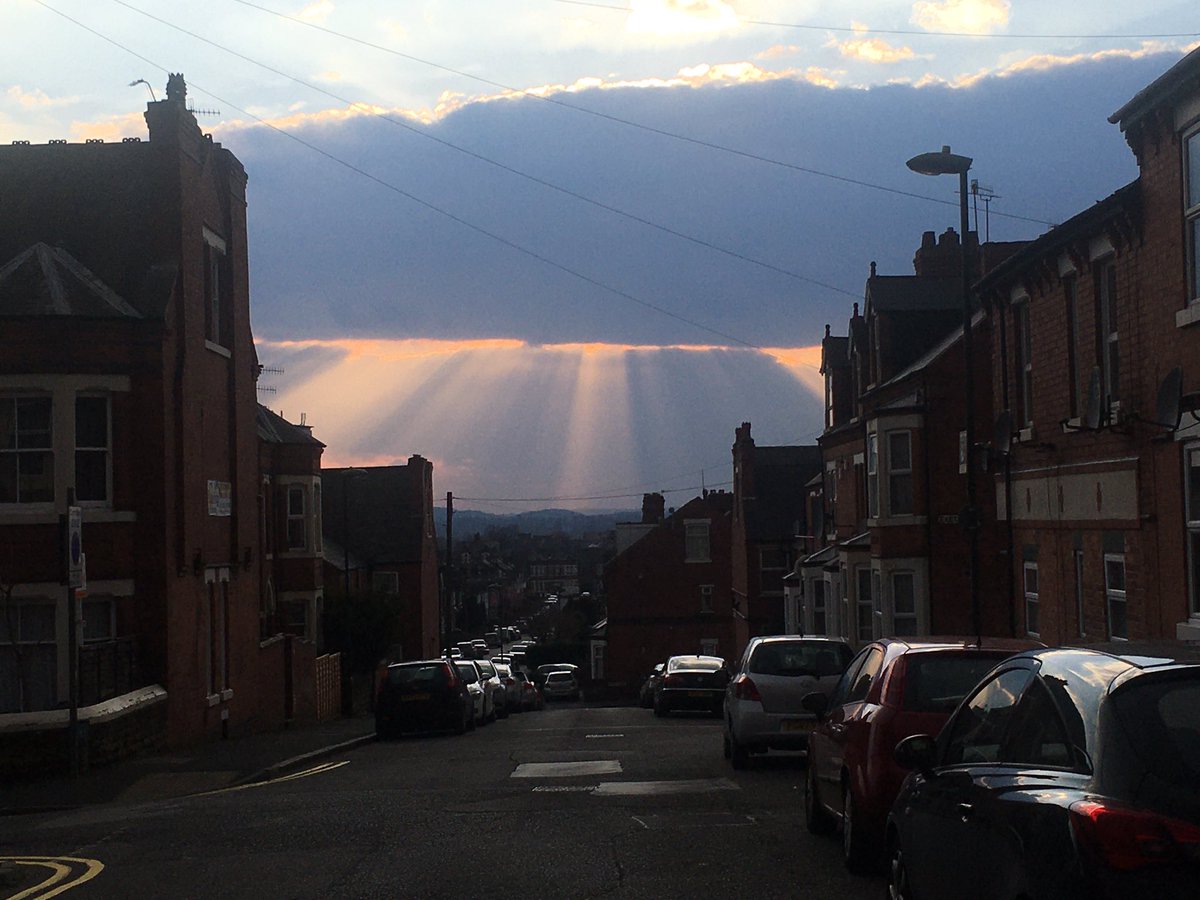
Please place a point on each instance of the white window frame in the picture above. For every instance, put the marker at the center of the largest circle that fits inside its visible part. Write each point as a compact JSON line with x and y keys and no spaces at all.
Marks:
{"x":296,"y":519}
{"x":106,"y":449}
{"x":1191,"y":201}
{"x":895,"y":472}
{"x":1029,"y":585}
{"x":915,"y":615}
{"x":697,"y":541}
{"x":1114,"y":596}
{"x":14,"y":398}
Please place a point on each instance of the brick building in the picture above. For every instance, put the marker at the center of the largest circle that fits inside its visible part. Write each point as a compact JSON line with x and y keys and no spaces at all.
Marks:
{"x":669,"y":591}
{"x":127,"y":379}
{"x":1099,"y":319}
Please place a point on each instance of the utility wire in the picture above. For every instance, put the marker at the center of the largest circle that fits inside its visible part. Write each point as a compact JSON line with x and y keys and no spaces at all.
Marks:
{"x":661,"y":132}
{"x":510,"y":169}
{"x":919,"y":32}
{"x":533,"y":254}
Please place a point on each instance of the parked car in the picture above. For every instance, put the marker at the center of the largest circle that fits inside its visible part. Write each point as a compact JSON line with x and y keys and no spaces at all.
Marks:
{"x":512,"y":687}
{"x":1066,"y":773}
{"x":893,"y":688}
{"x":561,"y":684}
{"x":531,"y":697}
{"x":763,"y":705}
{"x":540,"y":673}
{"x":481,"y":649}
{"x":484,"y":701}
{"x":491,"y":682}
{"x":492,"y":639}
{"x":650,"y":685}
{"x":466,"y":649}
{"x":422,"y":696}
{"x":691,"y":682}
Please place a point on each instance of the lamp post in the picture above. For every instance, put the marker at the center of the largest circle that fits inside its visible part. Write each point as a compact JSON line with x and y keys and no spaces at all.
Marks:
{"x":947,"y":163}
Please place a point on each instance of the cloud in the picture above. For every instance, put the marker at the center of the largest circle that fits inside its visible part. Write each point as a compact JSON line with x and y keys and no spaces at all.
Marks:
{"x":317,"y":13}
{"x":669,"y":18}
{"x":874,"y":50}
{"x":36,"y":99}
{"x":961,"y":16}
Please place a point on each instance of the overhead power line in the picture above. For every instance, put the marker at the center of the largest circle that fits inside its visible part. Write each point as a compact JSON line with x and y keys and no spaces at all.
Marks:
{"x":921,"y":32}
{"x":661,"y":132}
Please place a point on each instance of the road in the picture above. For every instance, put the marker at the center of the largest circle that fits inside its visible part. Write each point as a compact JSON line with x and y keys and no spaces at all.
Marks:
{"x":570,"y":802}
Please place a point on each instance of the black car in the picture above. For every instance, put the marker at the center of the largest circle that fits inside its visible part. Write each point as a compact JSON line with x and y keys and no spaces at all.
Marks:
{"x":422,"y":696}
{"x":1065,"y":773}
{"x":650,"y":685}
{"x":691,"y":682}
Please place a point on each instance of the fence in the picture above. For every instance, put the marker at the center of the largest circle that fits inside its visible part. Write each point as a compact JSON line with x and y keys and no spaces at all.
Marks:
{"x":106,"y":670}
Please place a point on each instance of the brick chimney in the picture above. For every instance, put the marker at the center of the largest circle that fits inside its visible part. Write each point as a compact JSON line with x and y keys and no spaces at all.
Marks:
{"x":653,"y":508}
{"x":743,"y":463}
{"x":939,"y":257}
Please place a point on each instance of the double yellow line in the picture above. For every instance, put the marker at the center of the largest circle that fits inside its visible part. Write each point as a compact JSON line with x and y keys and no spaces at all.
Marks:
{"x":66,"y":872}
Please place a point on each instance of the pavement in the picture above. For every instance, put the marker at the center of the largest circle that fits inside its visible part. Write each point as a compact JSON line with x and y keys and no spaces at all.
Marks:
{"x":205,"y":767}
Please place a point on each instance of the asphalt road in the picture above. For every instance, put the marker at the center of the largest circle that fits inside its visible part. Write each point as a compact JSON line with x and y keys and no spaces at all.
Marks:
{"x":571,"y":802}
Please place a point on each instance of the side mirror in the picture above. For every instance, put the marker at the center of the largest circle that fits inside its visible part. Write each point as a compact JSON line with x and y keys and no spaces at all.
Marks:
{"x":816,"y":703}
{"x":918,"y":751}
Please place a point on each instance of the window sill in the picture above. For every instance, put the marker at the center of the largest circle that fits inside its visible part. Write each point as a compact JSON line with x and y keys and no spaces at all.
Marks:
{"x":218,"y":349}
{"x":1189,"y":315}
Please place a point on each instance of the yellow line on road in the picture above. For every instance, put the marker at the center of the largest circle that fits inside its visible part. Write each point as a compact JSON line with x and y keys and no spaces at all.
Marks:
{"x":315,"y":770}
{"x":61,"y":868}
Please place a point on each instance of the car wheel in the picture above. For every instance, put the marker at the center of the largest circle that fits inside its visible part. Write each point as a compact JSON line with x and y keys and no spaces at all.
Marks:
{"x":816,"y":819}
{"x":897,"y":875}
{"x":855,"y":851}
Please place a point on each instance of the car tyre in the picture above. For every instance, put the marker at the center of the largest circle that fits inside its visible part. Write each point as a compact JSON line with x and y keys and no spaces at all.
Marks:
{"x":816,"y":819}
{"x":897,"y":875}
{"x":856,"y":852}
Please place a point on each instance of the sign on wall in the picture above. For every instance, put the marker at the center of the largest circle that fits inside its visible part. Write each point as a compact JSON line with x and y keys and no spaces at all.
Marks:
{"x":220,"y":498}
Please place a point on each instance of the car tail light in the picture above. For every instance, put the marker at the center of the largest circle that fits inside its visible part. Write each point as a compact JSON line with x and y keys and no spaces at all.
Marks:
{"x":672,"y":681}
{"x":745,"y":689}
{"x":451,"y":677}
{"x":1126,"y":838}
{"x":509,"y":681}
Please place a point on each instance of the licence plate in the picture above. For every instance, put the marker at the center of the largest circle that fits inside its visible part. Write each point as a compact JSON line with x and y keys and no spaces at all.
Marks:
{"x":407,"y":697}
{"x":796,"y":725}
{"x":697,"y":693}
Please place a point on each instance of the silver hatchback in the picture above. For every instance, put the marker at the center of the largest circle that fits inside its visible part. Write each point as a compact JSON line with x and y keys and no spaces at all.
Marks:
{"x":762,"y":709}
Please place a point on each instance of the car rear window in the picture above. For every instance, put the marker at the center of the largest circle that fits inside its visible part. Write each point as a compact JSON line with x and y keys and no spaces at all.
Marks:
{"x":936,"y":682}
{"x":417,"y":676}
{"x":560,"y":676}
{"x":468,"y":673}
{"x":793,"y":658}
{"x":1162,"y":717}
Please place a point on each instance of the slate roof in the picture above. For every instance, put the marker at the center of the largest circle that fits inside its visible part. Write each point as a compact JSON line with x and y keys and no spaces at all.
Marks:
{"x":913,"y":293}
{"x":275,"y":429}
{"x":1180,"y":77}
{"x":49,"y":281}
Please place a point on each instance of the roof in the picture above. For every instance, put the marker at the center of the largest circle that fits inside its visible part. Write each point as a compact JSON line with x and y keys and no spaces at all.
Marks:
{"x":49,"y":281}
{"x":835,"y":352}
{"x":275,"y":429}
{"x":822,"y":556}
{"x":1180,"y":77}
{"x":913,"y":293}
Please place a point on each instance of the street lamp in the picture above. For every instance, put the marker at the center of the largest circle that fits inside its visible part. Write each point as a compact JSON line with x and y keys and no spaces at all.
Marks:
{"x":947,"y":163}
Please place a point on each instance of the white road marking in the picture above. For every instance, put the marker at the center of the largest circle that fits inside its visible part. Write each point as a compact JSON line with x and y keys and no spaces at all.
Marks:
{"x":564,"y":788}
{"x":596,"y":736}
{"x":634,"y":788}
{"x":567,"y":769}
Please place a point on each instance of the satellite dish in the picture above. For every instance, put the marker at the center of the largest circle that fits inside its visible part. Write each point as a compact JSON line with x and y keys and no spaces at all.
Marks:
{"x":1170,"y":398}
{"x":1091,"y":415}
{"x":1002,"y":437}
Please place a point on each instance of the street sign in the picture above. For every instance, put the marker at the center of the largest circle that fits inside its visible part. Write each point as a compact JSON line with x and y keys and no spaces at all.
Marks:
{"x":74,"y":547}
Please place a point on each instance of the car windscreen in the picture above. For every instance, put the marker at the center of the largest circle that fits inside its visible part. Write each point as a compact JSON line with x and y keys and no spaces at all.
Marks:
{"x":1162,"y":719}
{"x":468,"y":673}
{"x":417,"y":677}
{"x":936,"y":682}
{"x":487,"y":669}
{"x":793,"y":658}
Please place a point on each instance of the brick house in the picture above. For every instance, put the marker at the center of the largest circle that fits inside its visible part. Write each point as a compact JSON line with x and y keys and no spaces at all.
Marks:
{"x":893,"y":554}
{"x":769,"y":512}
{"x":127,"y":379}
{"x":383,"y":516}
{"x":1095,"y":316}
{"x":669,"y":592}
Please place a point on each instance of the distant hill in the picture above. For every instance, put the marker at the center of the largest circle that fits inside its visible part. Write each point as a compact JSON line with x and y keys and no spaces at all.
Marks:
{"x":541,"y":521}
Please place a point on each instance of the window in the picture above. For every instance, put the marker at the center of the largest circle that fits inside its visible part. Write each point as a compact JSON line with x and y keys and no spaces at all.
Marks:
{"x":98,"y":619}
{"x":297,"y":520}
{"x":865,"y":605}
{"x":904,"y":604}
{"x":706,"y":598}
{"x":865,"y":676}
{"x":1191,"y":499}
{"x":900,"y":479}
{"x":1031,"y":598}
{"x":26,"y":450}
{"x":773,"y":561}
{"x":1077,"y":556}
{"x":819,"y":620}
{"x":91,"y":449}
{"x":386,"y":583}
{"x":873,"y":476}
{"x":1192,"y":213}
{"x":842,"y":689}
{"x":1114,"y":593}
{"x":214,"y":289}
{"x":1037,"y":735}
{"x":33,"y":685}
{"x":709,"y":646}
{"x":316,"y":517}
{"x":1071,"y":297}
{"x":976,"y":731}
{"x":1107,"y":335}
{"x":1024,"y":347}
{"x":696,"y":543}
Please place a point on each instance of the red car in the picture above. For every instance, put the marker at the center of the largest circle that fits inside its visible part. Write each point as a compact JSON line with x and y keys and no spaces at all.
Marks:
{"x":893,"y":688}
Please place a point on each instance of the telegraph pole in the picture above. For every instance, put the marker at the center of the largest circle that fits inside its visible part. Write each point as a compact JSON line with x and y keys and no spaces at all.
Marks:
{"x":449,"y":611}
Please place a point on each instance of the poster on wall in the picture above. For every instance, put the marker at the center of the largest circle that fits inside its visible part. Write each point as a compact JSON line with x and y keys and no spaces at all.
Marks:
{"x":220,"y":498}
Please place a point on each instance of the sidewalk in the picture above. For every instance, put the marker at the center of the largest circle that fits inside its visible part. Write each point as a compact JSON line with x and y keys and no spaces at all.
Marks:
{"x":206,"y":767}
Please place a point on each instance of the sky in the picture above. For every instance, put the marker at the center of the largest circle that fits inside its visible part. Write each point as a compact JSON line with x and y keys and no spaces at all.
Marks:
{"x":564,"y":248}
